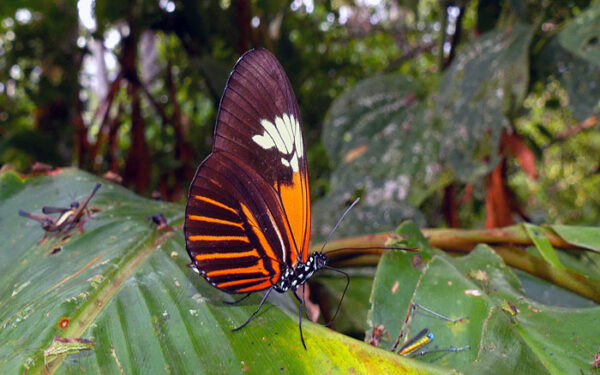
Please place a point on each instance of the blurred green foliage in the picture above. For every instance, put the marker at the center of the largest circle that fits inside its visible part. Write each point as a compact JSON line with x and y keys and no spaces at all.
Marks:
{"x":71,"y":73}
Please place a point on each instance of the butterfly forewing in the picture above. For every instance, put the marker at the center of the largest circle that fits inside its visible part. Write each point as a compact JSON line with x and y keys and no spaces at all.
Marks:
{"x":248,"y":213}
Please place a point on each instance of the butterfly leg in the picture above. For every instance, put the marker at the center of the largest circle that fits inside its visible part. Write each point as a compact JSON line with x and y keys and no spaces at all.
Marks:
{"x":302,"y":307}
{"x":238,"y":301}
{"x":255,"y":312}
{"x":303,"y":302}
{"x":347,"y":276}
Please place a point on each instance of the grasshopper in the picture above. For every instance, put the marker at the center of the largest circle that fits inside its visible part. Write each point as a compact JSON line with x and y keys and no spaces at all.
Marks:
{"x":67,"y":346}
{"x":67,"y":218}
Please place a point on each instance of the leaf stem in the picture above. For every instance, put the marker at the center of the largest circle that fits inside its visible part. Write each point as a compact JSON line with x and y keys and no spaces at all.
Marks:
{"x":365,"y":250}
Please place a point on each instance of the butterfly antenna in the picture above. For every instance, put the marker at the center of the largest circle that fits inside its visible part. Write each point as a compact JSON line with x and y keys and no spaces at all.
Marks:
{"x":334,"y":269}
{"x":339,"y":221}
{"x":262,"y":302}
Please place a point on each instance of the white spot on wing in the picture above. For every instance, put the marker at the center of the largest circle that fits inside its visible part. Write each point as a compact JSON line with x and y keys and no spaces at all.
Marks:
{"x":295,"y":164}
{"x":264,"y":141}
{"x":284,"y":134}
{"x":273,"y":133}
{"x":298,"y":138}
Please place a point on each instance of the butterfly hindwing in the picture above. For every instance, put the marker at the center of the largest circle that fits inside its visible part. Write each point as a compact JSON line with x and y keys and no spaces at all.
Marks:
{"x":234,"y":232}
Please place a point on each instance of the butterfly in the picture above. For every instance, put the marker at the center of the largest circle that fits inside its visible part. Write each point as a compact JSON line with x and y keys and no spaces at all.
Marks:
{"x":247,"y":219}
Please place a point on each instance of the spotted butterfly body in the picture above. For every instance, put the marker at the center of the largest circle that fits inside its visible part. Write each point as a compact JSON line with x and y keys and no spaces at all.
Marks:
{"x":247,"y":222}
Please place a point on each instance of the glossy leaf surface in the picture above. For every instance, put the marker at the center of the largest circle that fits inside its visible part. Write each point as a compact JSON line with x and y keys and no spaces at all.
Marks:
{"x":506,"y":331}
{"x":126,"y":286}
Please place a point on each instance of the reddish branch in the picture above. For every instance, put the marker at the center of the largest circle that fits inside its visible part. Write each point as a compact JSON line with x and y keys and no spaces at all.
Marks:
{"x":137,"y":163}
{"x":243,"y":14}
{"x":511,"y":144}
{"x":450,"y":206}
{"x":498,"y":207}
{"x":81,"y":143}
{"x":104,"y":110}
{"x":113,"y":141}
{"x":264,"y":32}
{"x":500,"y":200}
{"x":586,"y":124}
{"x":183,"y":150}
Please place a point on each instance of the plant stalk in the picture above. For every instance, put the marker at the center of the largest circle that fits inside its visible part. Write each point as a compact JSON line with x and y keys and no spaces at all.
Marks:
{"x":366,"y":250}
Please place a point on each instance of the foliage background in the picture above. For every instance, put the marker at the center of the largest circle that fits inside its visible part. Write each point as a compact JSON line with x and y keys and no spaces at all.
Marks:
{"x":490,"y":122}
{"x":450,"y":113}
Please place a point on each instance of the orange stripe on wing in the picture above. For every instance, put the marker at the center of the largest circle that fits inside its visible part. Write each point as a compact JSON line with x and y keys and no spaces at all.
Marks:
{"x":232,"y":255}
{"x":257,"y":287}
{"x":218,"y":238}
{"x":240,"y":282}
{"x":293,"y":197}
{"x":258,"y":268}
{"x":263,"y":241}
{"x":214,"y":202}
{"x":214,"y":220}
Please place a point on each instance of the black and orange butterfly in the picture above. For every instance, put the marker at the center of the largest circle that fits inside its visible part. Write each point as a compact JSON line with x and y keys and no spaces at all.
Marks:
{"x":247,"y":220}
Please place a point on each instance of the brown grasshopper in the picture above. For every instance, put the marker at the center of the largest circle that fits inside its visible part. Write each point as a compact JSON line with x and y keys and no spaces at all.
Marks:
{"x":67,"y":218}
{"x":377,"y":334}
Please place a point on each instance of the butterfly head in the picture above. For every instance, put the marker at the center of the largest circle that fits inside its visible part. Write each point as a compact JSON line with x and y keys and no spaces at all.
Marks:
{"x":316,"y":261}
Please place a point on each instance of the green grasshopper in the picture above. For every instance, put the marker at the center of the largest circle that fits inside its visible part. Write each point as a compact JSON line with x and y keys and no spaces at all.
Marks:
{"x":67,"y":345}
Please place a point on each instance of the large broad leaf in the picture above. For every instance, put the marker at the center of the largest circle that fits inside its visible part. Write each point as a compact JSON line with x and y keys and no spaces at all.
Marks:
{"x":507,"y":332}
{"x":124,"y":285}
{"x":352,"y":317}
{"x":586,"y":237}
{"x":482,"y":88}
{"x":542,"y":244}
{"x":582,"y":35}
{"x":579,"y":77}
{"x":385,"y":146}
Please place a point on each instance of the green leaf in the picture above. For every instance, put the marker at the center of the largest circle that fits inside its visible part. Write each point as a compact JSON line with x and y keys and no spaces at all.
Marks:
{"x":352,"y":317}
{"x":535,"y":338}
{"x":576,"y":75}
{"x":385,"y":145}
{"x":586,"y":237}
{"x":38,"y":146}
{"x":581,"y":36}
{"x":125,"y":286}
{"x":542,"y":243}
{"x":482,"y":89}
